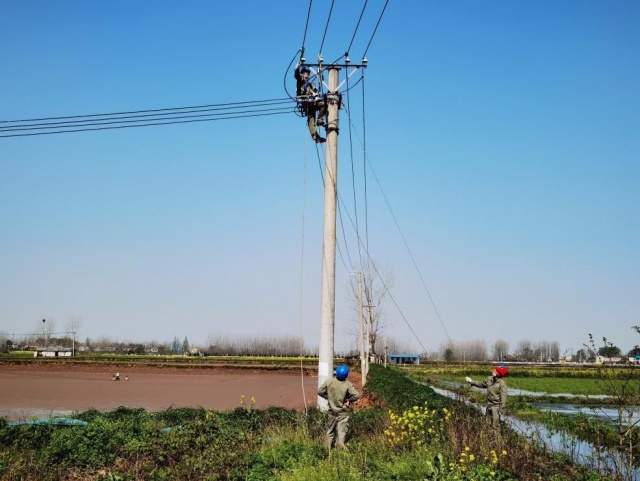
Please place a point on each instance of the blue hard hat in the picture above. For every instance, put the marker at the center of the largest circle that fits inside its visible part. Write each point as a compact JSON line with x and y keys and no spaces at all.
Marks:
{"x":342,"y":372}
{"x":304,"y":69}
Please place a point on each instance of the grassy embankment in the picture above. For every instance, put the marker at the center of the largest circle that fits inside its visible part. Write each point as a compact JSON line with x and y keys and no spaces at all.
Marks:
{"x":621,"y":384}
{"x":411,"y":433}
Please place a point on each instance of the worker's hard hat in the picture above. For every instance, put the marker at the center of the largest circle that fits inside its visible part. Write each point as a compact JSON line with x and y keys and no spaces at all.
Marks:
{"x":304,"y":69}
{"x":501,"y":370}
{"x":342,"y":372}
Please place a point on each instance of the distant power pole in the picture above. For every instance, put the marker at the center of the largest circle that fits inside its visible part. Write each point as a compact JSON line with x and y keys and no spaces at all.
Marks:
{"x":363,"y":362}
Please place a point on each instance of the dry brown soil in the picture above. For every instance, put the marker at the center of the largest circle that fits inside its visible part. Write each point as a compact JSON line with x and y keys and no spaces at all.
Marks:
{"x":29,"y":390}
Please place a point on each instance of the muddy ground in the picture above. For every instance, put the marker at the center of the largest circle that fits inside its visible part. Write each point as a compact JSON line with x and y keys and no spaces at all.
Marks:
{"x":29,"y":390}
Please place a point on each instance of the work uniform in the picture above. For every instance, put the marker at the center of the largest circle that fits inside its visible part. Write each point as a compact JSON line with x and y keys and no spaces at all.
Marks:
{"x":312,"y":103}
{"x":337,"y":392}
{"x":496,"y":397}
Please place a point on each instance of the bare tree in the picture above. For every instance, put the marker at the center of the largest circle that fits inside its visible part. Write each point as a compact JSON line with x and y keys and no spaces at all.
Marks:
{"x":475,"y":350}
{"x":287,"y":346}
{"x":45,"y":328}
{"x":524,"y":351}
{"x":500,"y":350}
{"x":622,"y":384}
{"x":5,"y":342}
{"x":375,"y":290}
{"x":73,"y":325}
{"x":395,"y":346}
{"x":102,"y":343}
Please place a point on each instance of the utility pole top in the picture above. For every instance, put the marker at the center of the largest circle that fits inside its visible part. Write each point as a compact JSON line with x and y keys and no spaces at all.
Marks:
{"x":333,"y":65}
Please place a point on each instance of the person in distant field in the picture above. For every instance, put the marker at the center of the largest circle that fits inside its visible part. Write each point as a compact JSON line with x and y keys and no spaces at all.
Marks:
{"x":126,"y":378}
{"x":496,"y":393}
{"x":313,"y":104}
{"x":340,"y":393}
{"x":116,"y":376}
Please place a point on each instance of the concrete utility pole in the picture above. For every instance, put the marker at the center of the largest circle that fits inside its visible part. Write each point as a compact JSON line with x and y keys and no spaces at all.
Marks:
{"x":363,"y":365}
{"x":328,"y":283}
{"x":369,"y":346}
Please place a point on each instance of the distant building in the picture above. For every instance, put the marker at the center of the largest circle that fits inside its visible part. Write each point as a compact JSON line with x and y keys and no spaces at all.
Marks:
{"x":403,"y":359}
{"x":608,"y":360}
{"x":53,"y":352}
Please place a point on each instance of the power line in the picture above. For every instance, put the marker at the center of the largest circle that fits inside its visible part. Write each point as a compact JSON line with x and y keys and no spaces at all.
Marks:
{"x":286,"y":111}
{"x":306,"y":26}
{"x":359,"y":239}
{"x":344,"y":235}
{"x":364,"y":167}
{"x":361,"y":244}
{"x":357,"y":25}
{"x":375,"y":29}
{"x":114,"y":120}
{"x":326,"y":26}
{"x":353,"y":175}
{"x":145,"y":111}
{"x":96,"y":118}
{"x":406,"y":244}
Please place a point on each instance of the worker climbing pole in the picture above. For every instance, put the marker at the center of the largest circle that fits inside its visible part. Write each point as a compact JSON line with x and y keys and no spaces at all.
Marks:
{"x":321,"y":110}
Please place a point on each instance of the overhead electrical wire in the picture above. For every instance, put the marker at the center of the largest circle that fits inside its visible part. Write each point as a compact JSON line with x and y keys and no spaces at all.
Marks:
{"x":364,"y":166}
{"x":142,"y":118}
{"x":122,"y":120}
{"x":365,"y":244}
{"x":375,"y":29}
{"x":359,"y":239}
{"x":326,"y":27}
{"x":96,"y":117}
{"x":306,"y":26}
{"x":353,"y":175}
{"x":227,"y":104}
{"x":339,"y":217}
{"x":357,"y":25}
{"x":150,"y":124}
{"x":406,"y":244}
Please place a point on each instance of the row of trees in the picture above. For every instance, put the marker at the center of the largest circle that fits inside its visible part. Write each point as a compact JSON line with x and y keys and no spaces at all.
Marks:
{"x":477,"y":350}
{"x":222,"y":345}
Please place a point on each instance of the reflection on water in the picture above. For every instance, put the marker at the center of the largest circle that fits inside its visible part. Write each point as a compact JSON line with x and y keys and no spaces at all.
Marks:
{"x":524,"y":392}
{"x":580,"y":451}
{"x":605,"y":413}
{"x":20,"y":414}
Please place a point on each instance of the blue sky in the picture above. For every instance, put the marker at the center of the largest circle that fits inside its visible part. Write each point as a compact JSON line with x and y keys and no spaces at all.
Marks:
{"x":505,"y":136}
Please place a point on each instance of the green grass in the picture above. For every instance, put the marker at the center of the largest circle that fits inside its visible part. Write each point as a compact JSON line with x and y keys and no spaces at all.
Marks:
{"x":572,"y":386}
{"x":572,"y":381}
{"x":427,"y":437}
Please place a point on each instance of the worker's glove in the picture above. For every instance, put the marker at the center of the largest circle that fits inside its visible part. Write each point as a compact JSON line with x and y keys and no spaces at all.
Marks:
{"x":468,"y":379}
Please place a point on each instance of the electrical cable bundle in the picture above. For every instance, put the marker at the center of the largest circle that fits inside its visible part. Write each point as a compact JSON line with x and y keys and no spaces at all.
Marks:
{"x":144,"y":118}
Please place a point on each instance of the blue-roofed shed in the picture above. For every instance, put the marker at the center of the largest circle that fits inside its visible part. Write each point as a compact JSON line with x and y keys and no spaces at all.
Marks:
{"x":404,"y":359}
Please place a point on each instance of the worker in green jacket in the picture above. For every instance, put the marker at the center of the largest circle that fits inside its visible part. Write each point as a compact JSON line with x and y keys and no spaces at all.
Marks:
{"x":340,"y":393}
{"x":496,"y":393}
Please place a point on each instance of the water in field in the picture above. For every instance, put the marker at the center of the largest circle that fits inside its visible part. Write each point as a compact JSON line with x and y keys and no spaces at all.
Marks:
{"x":604,"y":413}
{"x":581,"y":451}
{"x":524,"y":392}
